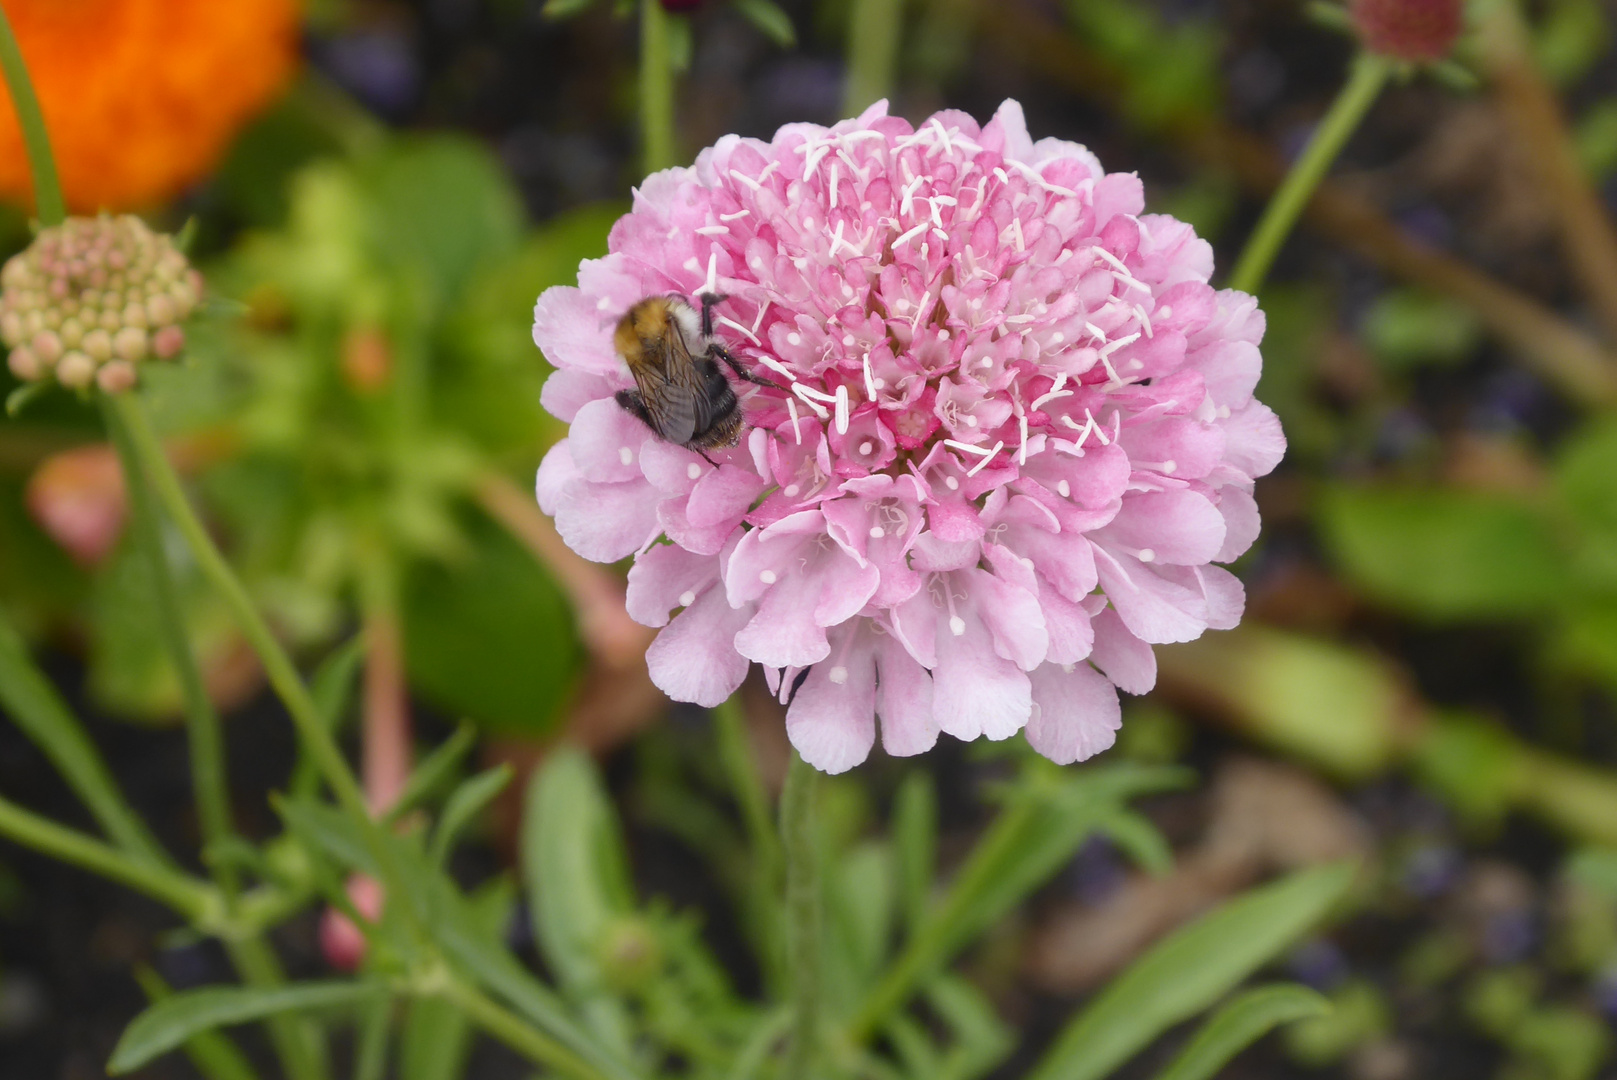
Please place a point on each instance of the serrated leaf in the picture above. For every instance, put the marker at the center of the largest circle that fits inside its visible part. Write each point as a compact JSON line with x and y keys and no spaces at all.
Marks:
{"x":169,"y":1023}
{"x":1241,"y":1023}
{"x":1189,"y":970}
{"x":768,"y":17}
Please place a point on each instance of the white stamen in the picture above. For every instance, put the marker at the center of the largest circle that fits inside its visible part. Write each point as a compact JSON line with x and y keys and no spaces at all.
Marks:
{"x":1147,"y":555}
{"x":797,"y":432}
{"x":1064,"y":489}
{"x":1021,"y":451}
{"x":867,"y":448}
{"x":1052,"y":395}
{"x":735,"y":216}
{"x":732,"y":324}
{"x":767,"y":577}
{"x":1132,"y":282}
{"x":1095,"y":331}
{"x":776,"y":366}
{"x":1109,"y":257}
{"x":713,"y":230}
{"x":870,"y":380}
{"x":908,"y":198}
{"x":687,"y":598}
{"x":967,"y":447}
{"x":983,"y":464}
{"x":791,"y":490}
{"x":694,"y":471}
{"x":736,"y":174}
{"x":1145,"y":320}
{"x":1112,"y":346}
{"x":877,"y":532}
{"x":836,"y":169}
{"x":1016,"y":229}
{"x":999,"y":174}
{"x":912,"y":234}
{"x":951,"y":483}
{"x":957,"y":625}
{"x":711,"y":286}
{"x":838,"y":675}
{"x":626,"y":455}
{"x":807,"y":395}
{"x":842,"y":410}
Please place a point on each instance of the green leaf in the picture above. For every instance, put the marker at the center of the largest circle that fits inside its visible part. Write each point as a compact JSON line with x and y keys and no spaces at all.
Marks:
{"x":38,"y":710}
{"x":564,"y":9}
{"x":171,"y":1022}
{"x":769,"y":18}
{"x":435,"y":771}
{"x":1596,"y":139}
{"x":327,"y":830}
{"x":1139,"y":839}
{"x":1586,"y":475}
{"x":491,"y":637}
{"x":981,"y":1038}
{"x":574,"y":865}
{"x":915,"y":843}
{"x":333,"y":690}
{"x":1406,"y":329}
{"x":464,"y":804}
{"x":213,"y":1053}
{"x":1189,"y":970}
{"x":1445,"y":554}
{"x":1241,"y":1023}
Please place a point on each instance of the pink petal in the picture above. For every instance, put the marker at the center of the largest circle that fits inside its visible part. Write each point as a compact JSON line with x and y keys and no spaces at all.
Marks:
{"x":1241,"y":522}
{"x":976,"y":692}
{"x":692,"y":659}
{"x":667,"y":577}
{"x":832,"y":721}
{"x":903,"y":700}
{"x":1075,"y":713}
{"x":1254,"y":442}
{"x":1126,"y":660}
{"x":605,"y":442}
{"x":607,"y":522}
{"x":1155,"y":609}
{"x":573,"y":332}
{"x":1179,"y":527}
{"x":567,"y":390}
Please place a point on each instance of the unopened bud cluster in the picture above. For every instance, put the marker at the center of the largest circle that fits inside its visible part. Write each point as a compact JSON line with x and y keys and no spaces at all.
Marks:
{"x":92,"y":298}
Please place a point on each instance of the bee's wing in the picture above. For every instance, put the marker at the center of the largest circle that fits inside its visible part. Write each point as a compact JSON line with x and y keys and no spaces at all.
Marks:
{"x":671,"y":391}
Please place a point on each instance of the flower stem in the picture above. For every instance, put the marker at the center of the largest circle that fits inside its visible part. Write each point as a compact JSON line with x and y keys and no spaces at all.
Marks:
{"x":1364,"y":85}
{"x":741,"y":769}
{"x":48,"y":202}
{"x":656,"y":87}
{"x":873,"y":38}
{"x":209,"y":775}
{"x":507,"y":1027}
{"x":193,"y":899}
{"x":297,"y":1038}
{"x":283,"y":676}
{"x":386,"y":760}
{"x":797,"y":808}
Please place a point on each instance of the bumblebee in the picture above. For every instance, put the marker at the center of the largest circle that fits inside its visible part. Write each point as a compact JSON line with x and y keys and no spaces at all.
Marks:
{"x":681,"y":392}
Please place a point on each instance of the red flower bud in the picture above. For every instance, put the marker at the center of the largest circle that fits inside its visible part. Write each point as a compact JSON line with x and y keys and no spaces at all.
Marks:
{"x":1414,"y":30}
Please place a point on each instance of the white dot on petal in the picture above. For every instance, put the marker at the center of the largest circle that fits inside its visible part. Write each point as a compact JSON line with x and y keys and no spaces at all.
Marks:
{"x":693,"y":470}
{"x":943,"y":335}
{"x":901,"y":305}
{"x":838,"y":675}
{"x":877,"y":532}
{"x":1170,"y":466}
{"x":971,"y":421}
{"x":847,"y":339}
{"x":794,"y":338}
{"x":951,"y":483}
{"x":808,"y":223}
{"x":1057,"y":338}
{"x":1147,"y":555}
{"x":626,"y":455}
{"x":792,"y":489}
{"x":767,"y":577}
{"x":957,"y":625}
{"x":687,"y":598}
{"x":1165,"y":312}
{"x":1068,"y":668}
{"x":867,"y":448}
{"x":1065,"y":489}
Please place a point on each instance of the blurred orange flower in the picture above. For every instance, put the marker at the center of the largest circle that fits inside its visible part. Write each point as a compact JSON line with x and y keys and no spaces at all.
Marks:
{"x":142,"y":96}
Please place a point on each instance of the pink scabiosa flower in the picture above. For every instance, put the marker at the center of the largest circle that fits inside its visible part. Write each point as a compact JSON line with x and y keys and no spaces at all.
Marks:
{"x":1015,"y":430}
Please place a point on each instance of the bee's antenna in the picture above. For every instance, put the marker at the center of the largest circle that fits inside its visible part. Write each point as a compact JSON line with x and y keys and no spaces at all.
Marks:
{"x":710,"y":300}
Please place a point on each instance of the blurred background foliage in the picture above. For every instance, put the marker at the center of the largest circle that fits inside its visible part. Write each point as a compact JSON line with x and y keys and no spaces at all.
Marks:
{"x":1427,"y":678}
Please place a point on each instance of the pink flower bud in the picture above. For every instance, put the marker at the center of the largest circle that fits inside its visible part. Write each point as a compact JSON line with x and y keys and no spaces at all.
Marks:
{"x":168,"y":342}
{"x":48,"y":346}
{"x":1414,"y":30}
{"x":130,"y":344}
{"x":115,"y":377}
{"x":340,"y":940}
{"x":98,"y":344}
{"x":24,"y":364}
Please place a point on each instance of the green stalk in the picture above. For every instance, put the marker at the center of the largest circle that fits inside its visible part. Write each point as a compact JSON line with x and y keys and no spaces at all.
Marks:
{"x":283,"y":675}
{"x":873,"y":38}
{"x":656,"y":87}
{"x":740,"y":767}
{"x":48,"y":202}
{"x":193,"y":899}
{"x":1364,"y":85}
{"x":797,"y":808}
{"x":507,"y":1027}
{"x":297,"y":1038}
{"x":208,"y":772}
{"x":930,"y":946}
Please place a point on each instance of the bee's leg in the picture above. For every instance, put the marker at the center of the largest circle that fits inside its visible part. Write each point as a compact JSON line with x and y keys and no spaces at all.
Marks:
{"x":705,"y":458}
{"x":632,"y":403}
{"x":735,"y":365}
{"x":709,"y":302}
